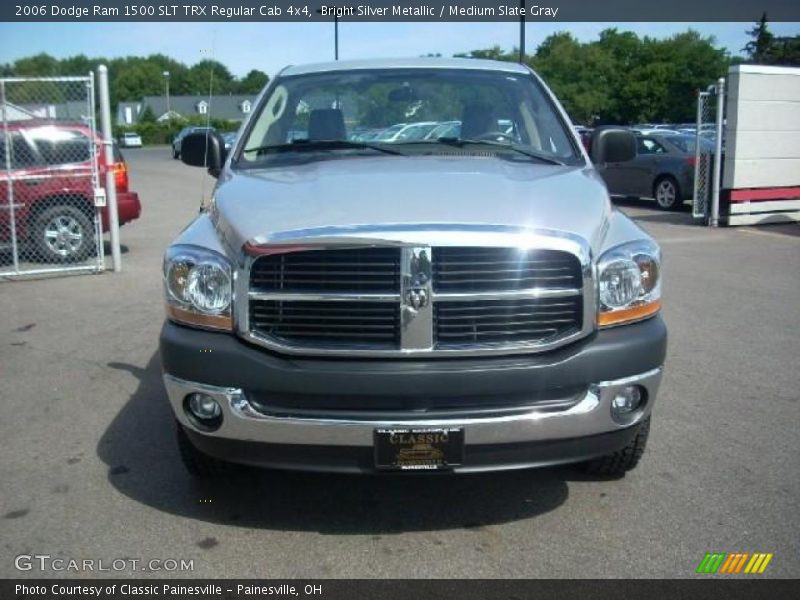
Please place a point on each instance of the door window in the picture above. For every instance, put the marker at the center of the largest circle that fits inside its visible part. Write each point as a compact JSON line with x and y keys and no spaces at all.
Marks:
{"x":649,"y":146}
{"x":22,"y":155}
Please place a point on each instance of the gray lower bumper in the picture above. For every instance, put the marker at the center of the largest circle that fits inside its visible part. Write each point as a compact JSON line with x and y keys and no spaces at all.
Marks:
{"x":589,"y":415}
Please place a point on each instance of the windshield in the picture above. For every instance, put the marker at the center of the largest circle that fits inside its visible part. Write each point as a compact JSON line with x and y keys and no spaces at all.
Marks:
{"x":412,"y":111}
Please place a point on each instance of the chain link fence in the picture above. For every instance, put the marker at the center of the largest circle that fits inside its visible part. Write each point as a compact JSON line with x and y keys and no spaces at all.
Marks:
{"x":50,"y":177}
{"x":708,"y":130}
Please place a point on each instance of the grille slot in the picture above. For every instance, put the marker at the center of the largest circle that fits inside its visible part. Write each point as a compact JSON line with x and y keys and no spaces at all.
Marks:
{"x":366,"y":270}
{"x":375,"y":324}
{"x":503,"y":321}
{"x":475,"y":269}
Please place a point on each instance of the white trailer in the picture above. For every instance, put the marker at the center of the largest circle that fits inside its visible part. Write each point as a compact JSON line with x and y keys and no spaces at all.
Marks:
{"x":761,"y":169}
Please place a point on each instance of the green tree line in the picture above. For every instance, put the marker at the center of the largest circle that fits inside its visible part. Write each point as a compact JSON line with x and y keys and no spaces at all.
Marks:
{"x":131,"y":77}
{"x":624,"y":78}
{"x":618,"y":78}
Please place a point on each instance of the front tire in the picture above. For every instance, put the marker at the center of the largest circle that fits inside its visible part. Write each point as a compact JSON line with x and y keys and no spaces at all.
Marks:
{"x":621,"y":461}
{"x":667,"y":193}
{"x":63,"y":233}
{"x":175,"y":154}
{"x":198,"y":464}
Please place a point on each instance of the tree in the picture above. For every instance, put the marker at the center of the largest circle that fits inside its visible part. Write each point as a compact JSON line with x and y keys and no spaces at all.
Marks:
{"x":493,"y":53}
{"x":622,"y":78}
{"x":147,"y":115}
{"x":209,"y":73}
{"x":758,"y":48}
{"x":579,"y":74}
{"x":135,"y":78}
{"x":41,"y":65}
{"x":253,"y":82}
{"x":785,"y":51}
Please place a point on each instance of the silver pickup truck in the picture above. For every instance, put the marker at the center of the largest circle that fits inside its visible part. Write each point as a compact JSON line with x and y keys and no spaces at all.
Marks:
{"x":463,"y":297}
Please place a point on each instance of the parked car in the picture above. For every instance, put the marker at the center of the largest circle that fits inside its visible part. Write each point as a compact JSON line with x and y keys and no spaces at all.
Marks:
{"x":53,"y":193}
{"x":130,"y":139}
{"x":229,"y":137}
{"x":656,"y":131}
{"x":585,"y":135}
{"x":447,"y":129}
{"x":389,"y":132}
{"x":178,"y":140}
{"x":453,"y":304}
{"x":410,"y":132}
{"x":365,"y":134}
{"x":662,"y":169}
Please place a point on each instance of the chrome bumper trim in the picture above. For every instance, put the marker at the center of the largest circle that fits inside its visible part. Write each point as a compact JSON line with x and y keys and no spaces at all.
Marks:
{"x":590,"y":416}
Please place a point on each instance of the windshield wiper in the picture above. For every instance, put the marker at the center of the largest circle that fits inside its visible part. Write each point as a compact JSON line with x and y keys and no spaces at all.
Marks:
{"x":460,"y":142}
{"x":311,"y":145}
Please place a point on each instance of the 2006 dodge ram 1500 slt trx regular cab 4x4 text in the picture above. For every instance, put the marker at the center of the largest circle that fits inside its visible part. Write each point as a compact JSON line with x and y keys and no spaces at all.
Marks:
{"x":459,"y":295}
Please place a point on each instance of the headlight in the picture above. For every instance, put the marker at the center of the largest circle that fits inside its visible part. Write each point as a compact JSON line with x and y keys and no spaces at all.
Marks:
{"x":199,"y":287}
{"x":629,"y":283}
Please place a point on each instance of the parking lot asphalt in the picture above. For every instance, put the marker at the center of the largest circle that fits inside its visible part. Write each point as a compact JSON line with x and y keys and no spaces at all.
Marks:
{"x":90,"y":470}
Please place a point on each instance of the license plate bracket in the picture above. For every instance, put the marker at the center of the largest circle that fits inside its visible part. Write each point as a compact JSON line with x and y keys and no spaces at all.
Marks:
{"x":418,"y":449}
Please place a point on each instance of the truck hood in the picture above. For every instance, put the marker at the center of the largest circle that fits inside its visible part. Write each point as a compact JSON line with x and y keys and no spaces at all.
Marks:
{"x":392,"y":194}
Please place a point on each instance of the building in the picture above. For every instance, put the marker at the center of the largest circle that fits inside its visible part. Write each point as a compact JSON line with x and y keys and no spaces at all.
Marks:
{"x":234,"y":107}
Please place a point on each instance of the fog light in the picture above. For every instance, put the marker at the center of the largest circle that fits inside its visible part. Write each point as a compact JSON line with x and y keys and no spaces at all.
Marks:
{"x":204,"y":407}
{"x":627,"y":400}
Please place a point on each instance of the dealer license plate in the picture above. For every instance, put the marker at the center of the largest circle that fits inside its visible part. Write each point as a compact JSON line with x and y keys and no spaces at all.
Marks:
{"x":419,"y":449}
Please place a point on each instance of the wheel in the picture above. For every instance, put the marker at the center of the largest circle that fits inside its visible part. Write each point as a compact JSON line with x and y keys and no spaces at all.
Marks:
{"x":198,"y":464}
{"x":175,"y":154}
{"x":64,"y":233}
{"x":667,"y":193}
{"x":622,"y":461}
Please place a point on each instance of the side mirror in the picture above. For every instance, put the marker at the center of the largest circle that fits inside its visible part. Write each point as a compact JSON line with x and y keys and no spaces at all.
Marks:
{"x":204,"y":150}
{"x":612,"y":144}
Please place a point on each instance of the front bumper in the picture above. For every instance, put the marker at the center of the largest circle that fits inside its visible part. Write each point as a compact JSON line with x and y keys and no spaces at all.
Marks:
{"x":567,"y":418}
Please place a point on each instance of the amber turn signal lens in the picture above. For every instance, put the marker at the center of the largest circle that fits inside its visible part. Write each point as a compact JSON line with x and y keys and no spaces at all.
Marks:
{"x":635,"y":313}
{"x":181,"y":315}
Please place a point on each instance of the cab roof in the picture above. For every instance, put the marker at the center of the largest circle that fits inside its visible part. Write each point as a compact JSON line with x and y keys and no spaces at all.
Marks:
{"x":406,"y":63}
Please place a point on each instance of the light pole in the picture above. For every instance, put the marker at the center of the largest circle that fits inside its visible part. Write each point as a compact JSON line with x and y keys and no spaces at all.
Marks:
{"x":522,"y":31}
{"x":335,"y":33}
{"x":166,"y":82}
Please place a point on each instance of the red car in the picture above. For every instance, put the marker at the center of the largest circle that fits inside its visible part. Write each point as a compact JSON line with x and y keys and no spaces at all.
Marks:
{"x":51,"y":180}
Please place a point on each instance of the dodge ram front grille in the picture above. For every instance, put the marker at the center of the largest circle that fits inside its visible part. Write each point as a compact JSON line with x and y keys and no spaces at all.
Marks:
{"x":492,"y":321}
{"x":417,"y":300}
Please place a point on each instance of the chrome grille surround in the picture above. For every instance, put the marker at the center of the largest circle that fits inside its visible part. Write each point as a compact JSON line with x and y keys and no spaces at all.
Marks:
{"x":416,"y":297}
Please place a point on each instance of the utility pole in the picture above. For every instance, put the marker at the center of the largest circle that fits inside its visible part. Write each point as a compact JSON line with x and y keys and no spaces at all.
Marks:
{"x":335,"y":33}
{"x":522,"y":31}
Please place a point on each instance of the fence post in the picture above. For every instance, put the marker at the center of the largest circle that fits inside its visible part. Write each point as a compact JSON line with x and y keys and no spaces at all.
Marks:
{"x":718,"y":154}
{"x":10,"y":182}
{"x":111,"y":188}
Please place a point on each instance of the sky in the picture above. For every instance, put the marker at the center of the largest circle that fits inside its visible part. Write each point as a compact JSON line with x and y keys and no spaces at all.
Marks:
{"x":271,"y":46}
